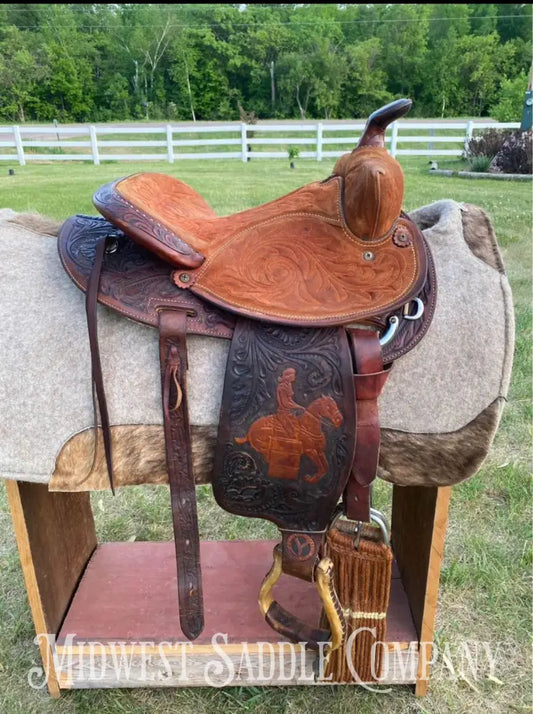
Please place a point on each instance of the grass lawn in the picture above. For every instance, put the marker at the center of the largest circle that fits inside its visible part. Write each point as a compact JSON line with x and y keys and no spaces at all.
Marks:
{"x":485,"y":592}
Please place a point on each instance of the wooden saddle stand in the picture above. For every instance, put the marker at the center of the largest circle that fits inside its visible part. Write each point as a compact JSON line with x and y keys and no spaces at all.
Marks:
{"x":319,"y":291}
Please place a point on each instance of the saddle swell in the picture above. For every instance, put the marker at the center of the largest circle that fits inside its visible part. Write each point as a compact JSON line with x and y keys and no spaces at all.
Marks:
{"x":285,"y":281}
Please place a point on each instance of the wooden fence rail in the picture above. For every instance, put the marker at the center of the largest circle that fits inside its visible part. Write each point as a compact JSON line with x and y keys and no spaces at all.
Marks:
{"x":243,"y":141}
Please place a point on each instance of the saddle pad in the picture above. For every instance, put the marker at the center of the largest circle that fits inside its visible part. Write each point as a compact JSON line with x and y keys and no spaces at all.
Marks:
{"x":433,"y":394}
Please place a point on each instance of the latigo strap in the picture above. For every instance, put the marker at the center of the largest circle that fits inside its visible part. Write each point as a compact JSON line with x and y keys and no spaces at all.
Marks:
{"x":91,"y":302}
{"x":369,"y":379}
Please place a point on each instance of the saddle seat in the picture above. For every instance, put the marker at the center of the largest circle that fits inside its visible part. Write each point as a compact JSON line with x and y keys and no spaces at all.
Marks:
{"x":332,"y":252}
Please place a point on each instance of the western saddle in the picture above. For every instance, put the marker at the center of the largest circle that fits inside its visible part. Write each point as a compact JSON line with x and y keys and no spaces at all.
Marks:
{"x":320,"y":291}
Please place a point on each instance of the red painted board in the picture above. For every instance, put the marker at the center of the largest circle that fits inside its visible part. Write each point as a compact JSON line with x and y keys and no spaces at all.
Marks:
{"x":128,"y":592}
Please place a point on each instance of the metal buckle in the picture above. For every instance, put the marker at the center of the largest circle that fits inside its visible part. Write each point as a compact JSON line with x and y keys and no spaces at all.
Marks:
{"x":112,"y":242}
{"x":375,"y":516}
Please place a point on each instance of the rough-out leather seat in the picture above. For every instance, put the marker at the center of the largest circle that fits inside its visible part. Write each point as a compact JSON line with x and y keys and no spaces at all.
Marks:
{"x":331,"y":252}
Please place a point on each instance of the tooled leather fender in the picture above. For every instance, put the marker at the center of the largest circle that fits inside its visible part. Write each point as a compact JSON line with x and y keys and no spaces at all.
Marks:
{"x":287,"y":424}
{"x":284,"y":452}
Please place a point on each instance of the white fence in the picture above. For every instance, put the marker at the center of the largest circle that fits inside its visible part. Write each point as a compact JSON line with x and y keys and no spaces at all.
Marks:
{"x":239,"y":141}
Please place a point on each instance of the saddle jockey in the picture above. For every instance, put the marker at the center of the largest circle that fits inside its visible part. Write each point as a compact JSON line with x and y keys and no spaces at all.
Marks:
{"x":286,"y":403}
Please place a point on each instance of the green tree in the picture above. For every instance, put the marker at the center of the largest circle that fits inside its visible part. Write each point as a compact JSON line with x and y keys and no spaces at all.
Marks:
{"x":21,"y":74}
{"x":511,"y":99}
{"x":107,"y":61}
{"x":312,"y":71}
{"x":514,"y":21}
{"x":68,"y":92}
{"x":365,"y":82}
{"x":441,"y":94}
{"x":404,"y":34}
{"x":483,"y":18}
{"x":481,"y":64}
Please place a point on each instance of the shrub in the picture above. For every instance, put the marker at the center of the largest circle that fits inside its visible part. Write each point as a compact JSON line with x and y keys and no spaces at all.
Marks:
{"x":485,"y":143}
{"x":481,"y":163}
{"x":508,"y":151}
{"x":515,"y":155}
{"x":511,"y":99}
{"x":293,"y":152}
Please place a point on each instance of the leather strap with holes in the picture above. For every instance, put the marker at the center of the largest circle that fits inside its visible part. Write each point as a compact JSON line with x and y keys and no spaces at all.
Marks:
{"x":98,"y":390}
{"x":173,"y":363}
{"x":173,"y":359}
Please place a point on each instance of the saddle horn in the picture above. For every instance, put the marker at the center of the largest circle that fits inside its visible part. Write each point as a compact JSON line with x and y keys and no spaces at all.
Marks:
{"x":378,"y":121}
{"x":373,"y":179}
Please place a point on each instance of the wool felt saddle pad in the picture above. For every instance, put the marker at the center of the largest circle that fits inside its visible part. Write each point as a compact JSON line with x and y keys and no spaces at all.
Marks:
{"x":439,"y":409}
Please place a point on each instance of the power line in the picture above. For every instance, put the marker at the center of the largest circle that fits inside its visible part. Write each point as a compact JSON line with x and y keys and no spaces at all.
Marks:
{"x":334,"y":21}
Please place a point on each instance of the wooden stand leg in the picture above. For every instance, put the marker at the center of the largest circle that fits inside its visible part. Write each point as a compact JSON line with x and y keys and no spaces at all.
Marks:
{"x":55,"y":537}
{"x":419,"y":520}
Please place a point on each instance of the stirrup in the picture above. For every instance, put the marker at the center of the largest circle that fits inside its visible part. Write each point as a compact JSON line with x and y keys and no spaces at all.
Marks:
{"x":292,"y":627}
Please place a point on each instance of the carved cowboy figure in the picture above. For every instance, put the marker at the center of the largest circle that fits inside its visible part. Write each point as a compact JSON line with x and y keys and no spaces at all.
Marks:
{"x":286,"y":403}
{"x":284,"y":437}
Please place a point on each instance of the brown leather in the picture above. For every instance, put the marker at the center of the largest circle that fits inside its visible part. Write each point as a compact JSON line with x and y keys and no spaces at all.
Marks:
{"x":373,"y":191}
{"x":149,"y":207}
{"x":369,"y":379}
{"x":294,"y":629}
{"x":287,"y":425}
{"x":300,"y":552}
{"x":290,"y":625}
{"x":135,"y":283}
{"x":378,"y":121}
{"x":98,"y":389}
{"x":294,"y":260}
{"x":286,"y":438}
{"x":373,"y":188}
{"x":173,"y":359}
{"x":330,"y":253}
